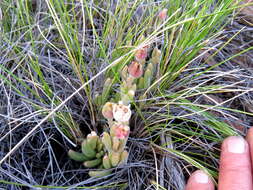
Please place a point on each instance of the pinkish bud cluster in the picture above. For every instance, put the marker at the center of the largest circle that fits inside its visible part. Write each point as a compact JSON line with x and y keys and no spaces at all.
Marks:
{"x":135,"y":69}
{"x":163,"y":14}
{"x":141,"y":54}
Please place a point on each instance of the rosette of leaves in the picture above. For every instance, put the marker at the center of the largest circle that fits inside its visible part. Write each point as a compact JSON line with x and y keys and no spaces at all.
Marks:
{"x":103,"y":153}
{"x":115,"y":156}
{"x":92,"y":151}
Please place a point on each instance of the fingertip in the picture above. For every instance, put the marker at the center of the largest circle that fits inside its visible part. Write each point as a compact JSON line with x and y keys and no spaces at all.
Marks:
{"x":235,"y":145}
{"x":235,"y":164}
{"x":249,"y":139}
{"x":201,"y":177}
{"x":199,"y":180}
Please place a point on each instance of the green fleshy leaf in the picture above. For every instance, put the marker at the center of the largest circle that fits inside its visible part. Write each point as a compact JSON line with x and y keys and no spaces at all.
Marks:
{"x":123,"y":157}
{"x":106,"y":162}
{"x":100,"y":173}
{"x":114,"y":158}
{"x":92,"y":163}
{"x":115,"y":144}
{"x":92,"y":141}
{"x":100,"y":154}
{"x":106,"y":140}
{"x":147,"y":78}
{"x":141,"y":83}
{"x":77,"y":156}
{"x":87,"y":150}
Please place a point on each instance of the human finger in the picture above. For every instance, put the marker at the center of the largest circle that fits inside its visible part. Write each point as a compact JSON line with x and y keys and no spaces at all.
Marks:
{"x":199,"y":180}
{"x":249,"y":139}
{"x":235,"y":165}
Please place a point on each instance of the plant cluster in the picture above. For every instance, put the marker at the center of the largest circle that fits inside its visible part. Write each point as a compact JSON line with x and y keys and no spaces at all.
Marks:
{"x":109,"y":150}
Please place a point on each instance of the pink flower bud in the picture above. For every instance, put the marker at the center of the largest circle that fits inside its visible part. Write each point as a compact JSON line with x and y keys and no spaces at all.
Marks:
{"x":141,"y":54}
{"x":121,"y":113}
{"x":107,"y":110}
{"x":135,"y":69}
{"x":163,"y":14}
{"x":120,"y":131}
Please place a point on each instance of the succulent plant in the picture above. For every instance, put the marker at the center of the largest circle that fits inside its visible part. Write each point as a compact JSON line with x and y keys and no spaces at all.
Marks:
{"x":92,"y":151}
{"x":108,"y":151}
{"x":104,"y":152}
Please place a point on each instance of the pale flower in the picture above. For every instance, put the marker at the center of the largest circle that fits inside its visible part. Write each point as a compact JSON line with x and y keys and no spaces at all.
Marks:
{"x":121,"y":113}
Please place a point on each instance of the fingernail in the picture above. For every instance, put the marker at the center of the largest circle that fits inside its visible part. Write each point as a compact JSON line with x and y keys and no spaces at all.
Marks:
{"x":201,"y":177}
{"x":236,"y":145}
